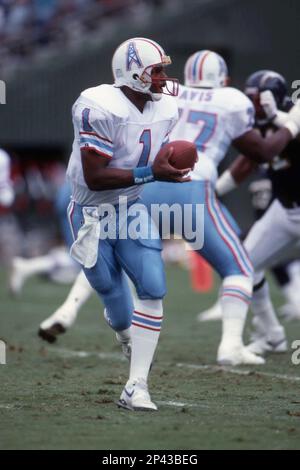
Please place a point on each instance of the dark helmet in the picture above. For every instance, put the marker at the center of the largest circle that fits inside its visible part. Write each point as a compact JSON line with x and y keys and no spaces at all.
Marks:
{"x":267,"y":80}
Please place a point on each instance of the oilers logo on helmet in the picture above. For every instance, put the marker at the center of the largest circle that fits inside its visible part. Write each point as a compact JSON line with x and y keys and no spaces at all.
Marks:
{"x":133,"y":63}
{"x":132,"y":57}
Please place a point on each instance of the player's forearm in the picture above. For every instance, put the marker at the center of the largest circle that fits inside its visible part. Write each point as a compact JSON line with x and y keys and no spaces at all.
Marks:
{"x":241,"y":168}
{"x":273,"y":145}
{"x":99,"y":177}
{"x":109,"y":178}
{"x":261,"y":150}
{"x":238,"y":171}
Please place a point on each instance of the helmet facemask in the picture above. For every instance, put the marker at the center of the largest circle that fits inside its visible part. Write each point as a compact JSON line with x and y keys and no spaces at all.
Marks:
{"x":156,"y":86}
{"x":263,"y":80}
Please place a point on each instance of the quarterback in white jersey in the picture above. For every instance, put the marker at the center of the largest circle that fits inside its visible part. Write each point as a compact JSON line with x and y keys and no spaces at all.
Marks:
{"x":108,"y":123}
{"x":118,"y":130}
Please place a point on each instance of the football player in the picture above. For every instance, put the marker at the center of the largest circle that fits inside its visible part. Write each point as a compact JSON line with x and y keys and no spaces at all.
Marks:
{"x":119,"y":130}
{"x":287,"y":271}
{"x":214,"y":116}
{"x":279,"y":227}
{"x":57,"y":263}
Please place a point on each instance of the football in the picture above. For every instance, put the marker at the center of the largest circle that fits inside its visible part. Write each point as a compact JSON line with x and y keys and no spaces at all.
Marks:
{"x":184,"y":155}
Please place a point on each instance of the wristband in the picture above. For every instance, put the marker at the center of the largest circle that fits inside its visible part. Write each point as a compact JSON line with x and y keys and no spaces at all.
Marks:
{"x":143,"y":174}
{"x":225,"y":183}
{"x":292,"y":127}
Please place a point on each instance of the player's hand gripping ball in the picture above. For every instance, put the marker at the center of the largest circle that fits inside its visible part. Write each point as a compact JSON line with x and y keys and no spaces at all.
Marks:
{"x":184,"y":154}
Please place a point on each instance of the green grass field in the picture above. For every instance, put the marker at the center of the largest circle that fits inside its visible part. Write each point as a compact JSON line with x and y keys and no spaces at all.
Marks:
{"x":63,"y":396}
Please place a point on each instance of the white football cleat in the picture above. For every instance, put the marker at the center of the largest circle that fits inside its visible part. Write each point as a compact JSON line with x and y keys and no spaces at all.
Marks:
{"x":17,"y":276}
{"x":211,"y":314}
{"x":229,"y":356}
{"x":274,"y":341}
{"x":135,"y":397}
{"x":126,"y":346}
{"x":59,"y":322}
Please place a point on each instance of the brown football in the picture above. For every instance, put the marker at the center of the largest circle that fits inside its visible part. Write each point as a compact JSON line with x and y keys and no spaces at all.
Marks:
{"x":184,"y":155}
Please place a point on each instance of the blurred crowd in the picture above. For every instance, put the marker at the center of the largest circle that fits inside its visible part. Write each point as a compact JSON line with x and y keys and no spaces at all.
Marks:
{"x":30,"y":27}
{"x":28,"y":216}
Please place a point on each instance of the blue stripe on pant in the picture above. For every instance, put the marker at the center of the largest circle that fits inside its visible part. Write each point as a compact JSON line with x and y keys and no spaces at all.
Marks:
{"x":222,"y":247}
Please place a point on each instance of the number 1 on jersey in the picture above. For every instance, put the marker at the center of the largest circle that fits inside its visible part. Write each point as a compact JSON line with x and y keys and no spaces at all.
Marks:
{"x":85,"y":120}
{"x":145,"y":139}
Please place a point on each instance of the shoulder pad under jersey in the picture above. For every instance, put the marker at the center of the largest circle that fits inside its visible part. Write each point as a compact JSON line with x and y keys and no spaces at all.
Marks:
{"x":108,"y":98}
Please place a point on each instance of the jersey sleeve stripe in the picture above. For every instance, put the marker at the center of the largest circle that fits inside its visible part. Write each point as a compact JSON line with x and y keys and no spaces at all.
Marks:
{"x":94,"y":149}
{"x":87,"y":142}
{"x":96,"y":141}
{"x":96,"y":135}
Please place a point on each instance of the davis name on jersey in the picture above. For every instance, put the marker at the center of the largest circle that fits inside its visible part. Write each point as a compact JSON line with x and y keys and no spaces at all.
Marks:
{"x":212,"y":118}
{"x":107,"y":122}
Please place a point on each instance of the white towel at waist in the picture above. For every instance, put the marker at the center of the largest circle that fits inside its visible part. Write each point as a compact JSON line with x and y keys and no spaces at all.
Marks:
{"x":85,"y":247}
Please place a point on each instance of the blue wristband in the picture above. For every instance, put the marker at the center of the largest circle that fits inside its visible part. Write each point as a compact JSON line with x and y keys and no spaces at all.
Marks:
{"x":143,"y":174}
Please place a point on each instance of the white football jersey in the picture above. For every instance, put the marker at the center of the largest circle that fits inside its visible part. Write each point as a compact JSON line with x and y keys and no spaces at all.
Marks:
{"x":106,"y":121}
{"x":6,"y":184}
{"x":212,"y":119}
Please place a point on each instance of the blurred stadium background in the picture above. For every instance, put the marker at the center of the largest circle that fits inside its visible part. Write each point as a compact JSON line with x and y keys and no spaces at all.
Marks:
{"x":51,"y":50}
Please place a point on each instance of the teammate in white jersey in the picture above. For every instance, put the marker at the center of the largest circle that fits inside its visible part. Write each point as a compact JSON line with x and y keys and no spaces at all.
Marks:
{"x":119,"y":130}
{"x":214,"y":116}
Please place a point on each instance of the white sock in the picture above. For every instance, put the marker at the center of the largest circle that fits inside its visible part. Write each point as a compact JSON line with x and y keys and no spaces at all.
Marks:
{"x":235,"y":298}
{"x":78,"y":295}
{"x":37,"y":265}
{"x":145,"y":330}
{"x":262,"y":307}
{"x":68,"y":311}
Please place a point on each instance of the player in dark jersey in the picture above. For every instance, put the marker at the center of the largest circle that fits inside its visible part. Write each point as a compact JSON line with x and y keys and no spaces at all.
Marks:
{"x":279,"y":227}
{"x":287,"y":271}
{"x":268,"y":91}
